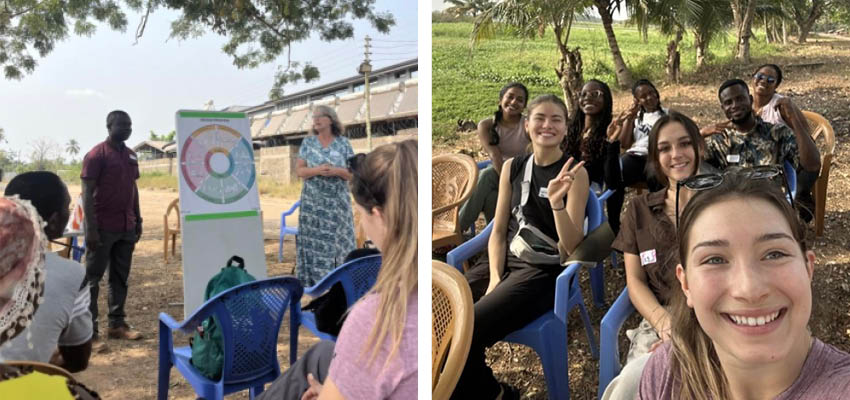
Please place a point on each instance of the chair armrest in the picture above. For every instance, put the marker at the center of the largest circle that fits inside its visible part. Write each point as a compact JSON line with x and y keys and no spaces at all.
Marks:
{"x":562,"y":290}
{"x":606,"y":194}
{"x":484,"y":164}
{"x":292,"y":209}
{"x":169,"y":322}
{"x":609,"y":349}
{"x":461,"y":253}
{"x":456,"y":204}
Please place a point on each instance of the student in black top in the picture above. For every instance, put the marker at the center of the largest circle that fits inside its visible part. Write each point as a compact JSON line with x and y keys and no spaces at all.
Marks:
{"x":510,"y":291}
{"x":587,"y":141}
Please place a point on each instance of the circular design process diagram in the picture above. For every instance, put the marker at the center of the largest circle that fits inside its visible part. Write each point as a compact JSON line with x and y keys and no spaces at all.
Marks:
{"x":218,"y":164}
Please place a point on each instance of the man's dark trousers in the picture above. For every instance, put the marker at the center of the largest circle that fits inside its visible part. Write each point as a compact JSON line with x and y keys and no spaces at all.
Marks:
{"x":115,"y":252}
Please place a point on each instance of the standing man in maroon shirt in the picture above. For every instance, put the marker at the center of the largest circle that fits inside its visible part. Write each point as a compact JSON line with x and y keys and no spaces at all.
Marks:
{"x":113,"y":222}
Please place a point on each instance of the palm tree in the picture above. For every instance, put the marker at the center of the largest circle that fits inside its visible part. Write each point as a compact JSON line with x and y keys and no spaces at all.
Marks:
{"x":743,"y":11}
{"x":72,"y":148}
{"x":530,"y":18}
{"x":468,"y":7}
{"x":672,"y":18}
{"x":606,"y":8}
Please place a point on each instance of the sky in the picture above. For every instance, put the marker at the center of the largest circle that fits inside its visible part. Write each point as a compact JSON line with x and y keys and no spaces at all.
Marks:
{"x":74,"y":87}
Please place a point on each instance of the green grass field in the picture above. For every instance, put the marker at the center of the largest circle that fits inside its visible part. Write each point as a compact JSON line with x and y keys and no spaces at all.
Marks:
{"x":466,"y":83}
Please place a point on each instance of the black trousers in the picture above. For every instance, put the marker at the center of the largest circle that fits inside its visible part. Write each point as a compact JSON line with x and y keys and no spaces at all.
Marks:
{"x":805,"y":200}
{"x":115,"y":254}
{"x":523,"y":295}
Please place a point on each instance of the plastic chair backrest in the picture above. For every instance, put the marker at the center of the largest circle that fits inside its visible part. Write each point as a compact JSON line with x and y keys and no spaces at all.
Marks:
{"x":453,"y":178}
{"x":174,"y":205}
{"x":452,"y":321}
{"x":821,"y":126}
{"x":356,"y":276}
{"x":250,"y":317}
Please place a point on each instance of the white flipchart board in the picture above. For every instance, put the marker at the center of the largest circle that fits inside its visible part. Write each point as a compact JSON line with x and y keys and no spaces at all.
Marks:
{"x":219,"y":202}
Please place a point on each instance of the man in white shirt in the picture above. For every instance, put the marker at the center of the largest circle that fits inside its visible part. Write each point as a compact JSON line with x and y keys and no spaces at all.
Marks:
{"x":63,"y":320}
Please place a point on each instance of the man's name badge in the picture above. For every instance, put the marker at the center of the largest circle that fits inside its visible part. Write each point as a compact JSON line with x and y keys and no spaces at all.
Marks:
{"x":544,"y":193}
{"x":647,"y":257}
{"x":133,"y":157}
{"x":733,"y":158}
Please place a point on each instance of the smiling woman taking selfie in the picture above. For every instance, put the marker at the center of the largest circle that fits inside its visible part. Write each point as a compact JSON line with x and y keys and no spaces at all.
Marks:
{"x":740,"y":321}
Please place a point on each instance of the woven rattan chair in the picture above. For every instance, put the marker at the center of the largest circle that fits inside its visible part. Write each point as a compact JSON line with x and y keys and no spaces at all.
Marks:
{"x":452,"y":321}
{"x":44,"y":368}
{"x":452,"y":180}
{"x":169,"y":231}
{"x":824,"y":137}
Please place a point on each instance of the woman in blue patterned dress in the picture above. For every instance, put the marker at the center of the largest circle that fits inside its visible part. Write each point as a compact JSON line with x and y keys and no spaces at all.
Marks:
{"x":325,"y":224}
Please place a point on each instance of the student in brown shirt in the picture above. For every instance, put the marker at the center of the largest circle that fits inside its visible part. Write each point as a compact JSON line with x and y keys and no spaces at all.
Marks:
{"x":113,"y":221}
{"x":648,"y":242}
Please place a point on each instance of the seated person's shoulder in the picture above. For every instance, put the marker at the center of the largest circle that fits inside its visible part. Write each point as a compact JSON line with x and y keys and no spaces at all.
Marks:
{"x":64,"y":269}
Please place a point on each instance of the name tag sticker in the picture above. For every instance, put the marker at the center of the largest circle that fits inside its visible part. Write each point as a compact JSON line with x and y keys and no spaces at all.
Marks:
{"x":133,"y":157}
{"x":647,"y":257}
{"x":544,"y":193}
{"x":733,"y":158}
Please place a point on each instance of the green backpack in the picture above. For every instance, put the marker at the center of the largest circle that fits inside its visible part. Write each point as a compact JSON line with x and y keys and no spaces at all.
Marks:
{"x":208,"y":345}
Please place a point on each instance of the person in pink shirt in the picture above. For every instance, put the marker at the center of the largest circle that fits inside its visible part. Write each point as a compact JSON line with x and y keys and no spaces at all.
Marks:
{"x":740,"y":321}
{"x":375,"y":353}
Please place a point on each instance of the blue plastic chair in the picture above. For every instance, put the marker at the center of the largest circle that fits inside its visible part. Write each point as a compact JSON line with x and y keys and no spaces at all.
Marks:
{"x":357,"y":277}
{"x":791,"y":176}
{"x":77,"y":250}
{"x":547,"y":335}
{"x":286,"y":230}
{"x":609,"y":346}
{"x":484,"y":164}
{"x":250,"y":317}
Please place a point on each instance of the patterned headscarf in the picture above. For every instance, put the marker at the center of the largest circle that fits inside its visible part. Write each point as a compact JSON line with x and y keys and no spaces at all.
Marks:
{"x":22,"y":247}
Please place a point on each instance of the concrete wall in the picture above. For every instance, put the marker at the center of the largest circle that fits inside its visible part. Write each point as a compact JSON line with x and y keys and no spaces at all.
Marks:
{"x":279,"y":162}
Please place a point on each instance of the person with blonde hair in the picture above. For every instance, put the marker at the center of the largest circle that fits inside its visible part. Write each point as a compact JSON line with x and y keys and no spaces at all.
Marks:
{"x":740,"y":321}
{"x":375,"y":354}
{"x":325,"y":222}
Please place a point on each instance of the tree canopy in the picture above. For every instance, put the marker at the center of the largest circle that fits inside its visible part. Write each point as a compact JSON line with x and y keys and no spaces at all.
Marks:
{"x":259,"y":31}
{"x":31,"y":28}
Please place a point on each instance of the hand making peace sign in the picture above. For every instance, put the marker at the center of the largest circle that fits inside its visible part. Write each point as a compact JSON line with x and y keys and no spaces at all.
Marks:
{"x":561,"y":184}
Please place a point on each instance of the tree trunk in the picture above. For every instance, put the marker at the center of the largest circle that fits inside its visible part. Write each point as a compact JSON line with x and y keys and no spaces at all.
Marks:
{"x":624,"y":76}
{"x":700,"y":44}
{"x":672,"y":64}
{"x":804,"y":33}
{"x":784,"y":32}
{"x":570,"y":77}
{"x":767,"y":37}
{"x":743,"y":14}
{"x":569,"y":69}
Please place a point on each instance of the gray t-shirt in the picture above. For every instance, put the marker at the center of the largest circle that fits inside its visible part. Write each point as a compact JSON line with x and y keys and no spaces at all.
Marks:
{"x":825,"y":376}
{"x":63,"y":319}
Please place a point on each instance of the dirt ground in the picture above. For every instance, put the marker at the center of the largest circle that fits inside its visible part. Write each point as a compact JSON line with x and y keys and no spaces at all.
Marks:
{"x":815,"y":77}
{"x":129,"y":369}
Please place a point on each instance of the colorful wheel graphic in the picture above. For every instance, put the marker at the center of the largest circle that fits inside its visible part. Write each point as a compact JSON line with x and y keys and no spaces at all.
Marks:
{"x":218,"y":164}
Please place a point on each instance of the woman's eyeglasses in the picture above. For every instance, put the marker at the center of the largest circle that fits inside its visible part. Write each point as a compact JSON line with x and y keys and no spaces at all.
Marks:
{"x":711,"y":181}
{"x":591,"y":94}
{"x":760,"y":76}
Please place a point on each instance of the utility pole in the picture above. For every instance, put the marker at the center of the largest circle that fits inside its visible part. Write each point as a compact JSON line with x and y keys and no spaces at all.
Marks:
{"x":365,"y":68}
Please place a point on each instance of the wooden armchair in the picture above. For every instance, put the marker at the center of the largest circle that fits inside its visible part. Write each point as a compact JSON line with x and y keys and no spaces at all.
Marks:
{"x":44,"y":368}
{"x":451,"y":331}
{"x":824,"y":137}
{"x":169,"y":231}
{"x":453,"y":178}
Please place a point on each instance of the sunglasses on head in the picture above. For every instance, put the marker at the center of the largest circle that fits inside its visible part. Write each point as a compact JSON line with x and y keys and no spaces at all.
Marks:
{"x":355,"y":161}
{"x":760,"y":76}
{"x":711,"y":181}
